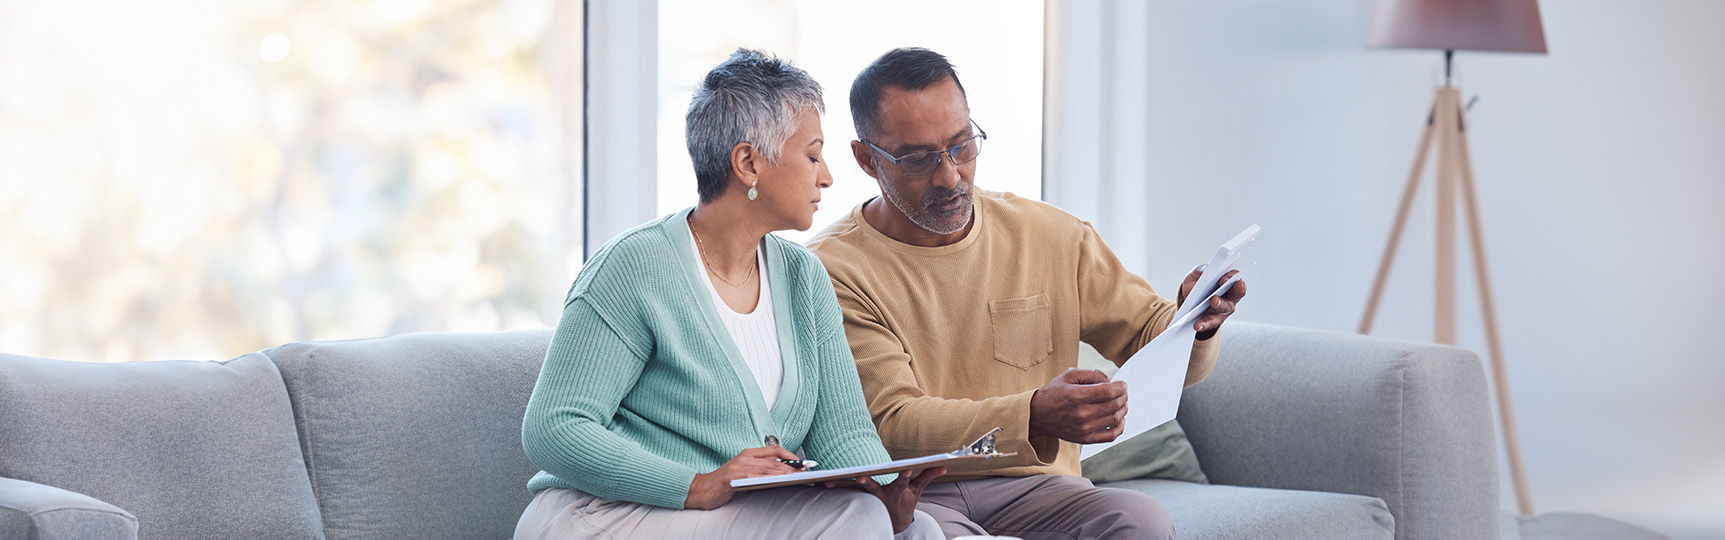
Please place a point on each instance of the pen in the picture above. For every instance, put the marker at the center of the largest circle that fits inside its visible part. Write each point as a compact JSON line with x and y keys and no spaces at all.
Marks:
{"x":804,"y":464}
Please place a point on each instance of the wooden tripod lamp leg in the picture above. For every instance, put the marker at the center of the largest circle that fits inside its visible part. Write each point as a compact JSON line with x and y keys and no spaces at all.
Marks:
{"x":1448,"y":129}
{"x":1500,"y":379}
{"x":1396,"y":230}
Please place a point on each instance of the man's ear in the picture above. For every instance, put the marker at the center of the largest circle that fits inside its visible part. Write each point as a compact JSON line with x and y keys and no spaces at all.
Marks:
{"x":865,"y":158}
{"x":745,"y":162}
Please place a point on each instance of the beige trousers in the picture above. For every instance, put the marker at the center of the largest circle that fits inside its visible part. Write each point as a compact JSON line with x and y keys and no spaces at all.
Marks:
{"x":787,"y":512}
{"x":1045,"y":507}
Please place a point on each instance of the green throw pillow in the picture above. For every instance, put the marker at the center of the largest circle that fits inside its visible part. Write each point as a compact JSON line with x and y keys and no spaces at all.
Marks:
{"x":1163,"y":452}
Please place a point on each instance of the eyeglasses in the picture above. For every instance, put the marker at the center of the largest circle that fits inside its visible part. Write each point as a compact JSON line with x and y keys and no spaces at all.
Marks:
{"x":924,"y":163}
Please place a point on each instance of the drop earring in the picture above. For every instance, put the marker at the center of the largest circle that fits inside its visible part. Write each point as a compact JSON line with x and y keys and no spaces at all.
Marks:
{"x":752,"y":193}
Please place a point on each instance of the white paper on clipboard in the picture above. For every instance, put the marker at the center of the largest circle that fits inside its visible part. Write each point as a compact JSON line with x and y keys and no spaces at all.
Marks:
{"x":1156,"y":375}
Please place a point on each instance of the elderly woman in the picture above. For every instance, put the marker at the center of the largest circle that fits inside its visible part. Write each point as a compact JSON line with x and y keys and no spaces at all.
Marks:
{"x":688,"y":341}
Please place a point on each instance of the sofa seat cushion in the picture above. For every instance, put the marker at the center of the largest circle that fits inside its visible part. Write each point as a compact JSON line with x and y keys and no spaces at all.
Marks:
{"x":1213,"y":512}
{"x":1571,"y":526}
{"x":416,"y":436}
{"x":192,"y":449}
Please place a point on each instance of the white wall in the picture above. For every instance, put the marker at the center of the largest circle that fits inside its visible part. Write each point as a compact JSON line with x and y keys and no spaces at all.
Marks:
{"x":1601,"y":174}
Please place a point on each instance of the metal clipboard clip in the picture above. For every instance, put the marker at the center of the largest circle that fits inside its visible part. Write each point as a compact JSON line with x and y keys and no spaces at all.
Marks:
{"x":984,"y":446}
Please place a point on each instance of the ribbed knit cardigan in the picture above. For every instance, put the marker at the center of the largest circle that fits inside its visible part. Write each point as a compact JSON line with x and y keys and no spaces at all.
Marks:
{"x":642,"y":387}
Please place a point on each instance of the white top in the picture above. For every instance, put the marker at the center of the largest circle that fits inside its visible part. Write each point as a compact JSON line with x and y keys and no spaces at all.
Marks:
{"x":756,"y":333}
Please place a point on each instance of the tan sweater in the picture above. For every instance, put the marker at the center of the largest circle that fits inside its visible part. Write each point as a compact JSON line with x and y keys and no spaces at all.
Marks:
{"x":952,"y":341}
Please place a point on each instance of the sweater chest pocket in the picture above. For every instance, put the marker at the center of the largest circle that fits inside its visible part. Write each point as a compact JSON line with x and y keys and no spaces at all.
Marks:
{"x":1023,"y":336}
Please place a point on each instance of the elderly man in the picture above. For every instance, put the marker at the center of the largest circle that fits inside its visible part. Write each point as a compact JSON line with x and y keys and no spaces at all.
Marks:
{"x":964,"y":309}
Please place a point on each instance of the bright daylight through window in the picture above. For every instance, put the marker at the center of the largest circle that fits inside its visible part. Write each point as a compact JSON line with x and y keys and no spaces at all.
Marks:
{"x":201,"y":179}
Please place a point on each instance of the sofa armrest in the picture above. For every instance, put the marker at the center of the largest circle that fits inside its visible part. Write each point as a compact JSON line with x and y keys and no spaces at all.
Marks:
{"x":1408,"y":423}
{"x":40,"y":512}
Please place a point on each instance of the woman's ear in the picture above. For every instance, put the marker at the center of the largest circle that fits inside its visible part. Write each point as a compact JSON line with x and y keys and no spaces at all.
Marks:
{"x":746,"y":163}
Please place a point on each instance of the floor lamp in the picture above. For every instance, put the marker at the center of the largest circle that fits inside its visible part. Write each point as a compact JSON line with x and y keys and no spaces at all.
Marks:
{"x":1447,"y":25}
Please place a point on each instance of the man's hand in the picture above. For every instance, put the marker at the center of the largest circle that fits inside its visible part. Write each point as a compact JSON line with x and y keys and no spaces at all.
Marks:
{"x":1220,"y":307}
{"x":900,"y":497}
{"x":1079,"y":405}
{"x":711,"y":490}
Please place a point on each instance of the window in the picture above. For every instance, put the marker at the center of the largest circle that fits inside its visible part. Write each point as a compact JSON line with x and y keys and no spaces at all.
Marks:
{"x":998,"y":56}
{"x":196,"y":179}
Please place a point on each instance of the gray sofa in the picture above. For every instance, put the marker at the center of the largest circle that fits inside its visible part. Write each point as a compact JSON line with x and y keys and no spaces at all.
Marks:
{"x":1304,"y":434}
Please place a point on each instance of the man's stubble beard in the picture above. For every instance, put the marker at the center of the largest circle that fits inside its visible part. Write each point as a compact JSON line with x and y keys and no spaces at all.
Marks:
{"x":919,"y":212}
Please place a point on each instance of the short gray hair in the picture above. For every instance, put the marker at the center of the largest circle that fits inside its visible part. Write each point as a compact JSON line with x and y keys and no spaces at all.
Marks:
{"x":752,"y":97}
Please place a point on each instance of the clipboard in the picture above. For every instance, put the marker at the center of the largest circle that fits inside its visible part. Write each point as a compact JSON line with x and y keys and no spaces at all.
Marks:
{"x":982,"y":449}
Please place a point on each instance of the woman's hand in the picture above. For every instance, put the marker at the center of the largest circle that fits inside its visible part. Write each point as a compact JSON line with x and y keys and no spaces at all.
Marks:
{"x":710,"y":490}
{"x":900,"y":497}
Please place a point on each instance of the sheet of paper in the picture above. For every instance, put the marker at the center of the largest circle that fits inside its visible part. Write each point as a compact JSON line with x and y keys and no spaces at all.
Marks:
{"x":1156,"y":374}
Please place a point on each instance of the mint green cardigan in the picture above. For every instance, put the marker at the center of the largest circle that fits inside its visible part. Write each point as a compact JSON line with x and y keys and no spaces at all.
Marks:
{"x":642,"y":387}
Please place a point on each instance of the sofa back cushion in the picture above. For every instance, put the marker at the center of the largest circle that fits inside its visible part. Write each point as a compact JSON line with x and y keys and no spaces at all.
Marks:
{"x":193,"y":449}
{"x":416,"y":436}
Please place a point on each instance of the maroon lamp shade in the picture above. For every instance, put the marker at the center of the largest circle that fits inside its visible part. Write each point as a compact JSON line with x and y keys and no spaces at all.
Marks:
{"x":1479,"y":25}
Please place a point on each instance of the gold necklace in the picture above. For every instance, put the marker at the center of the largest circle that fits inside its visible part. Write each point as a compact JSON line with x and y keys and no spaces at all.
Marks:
{"x":703,"y":248}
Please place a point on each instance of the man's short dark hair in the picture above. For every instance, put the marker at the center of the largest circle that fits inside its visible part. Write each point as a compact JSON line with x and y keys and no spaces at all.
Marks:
{"x":908,"y":68}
